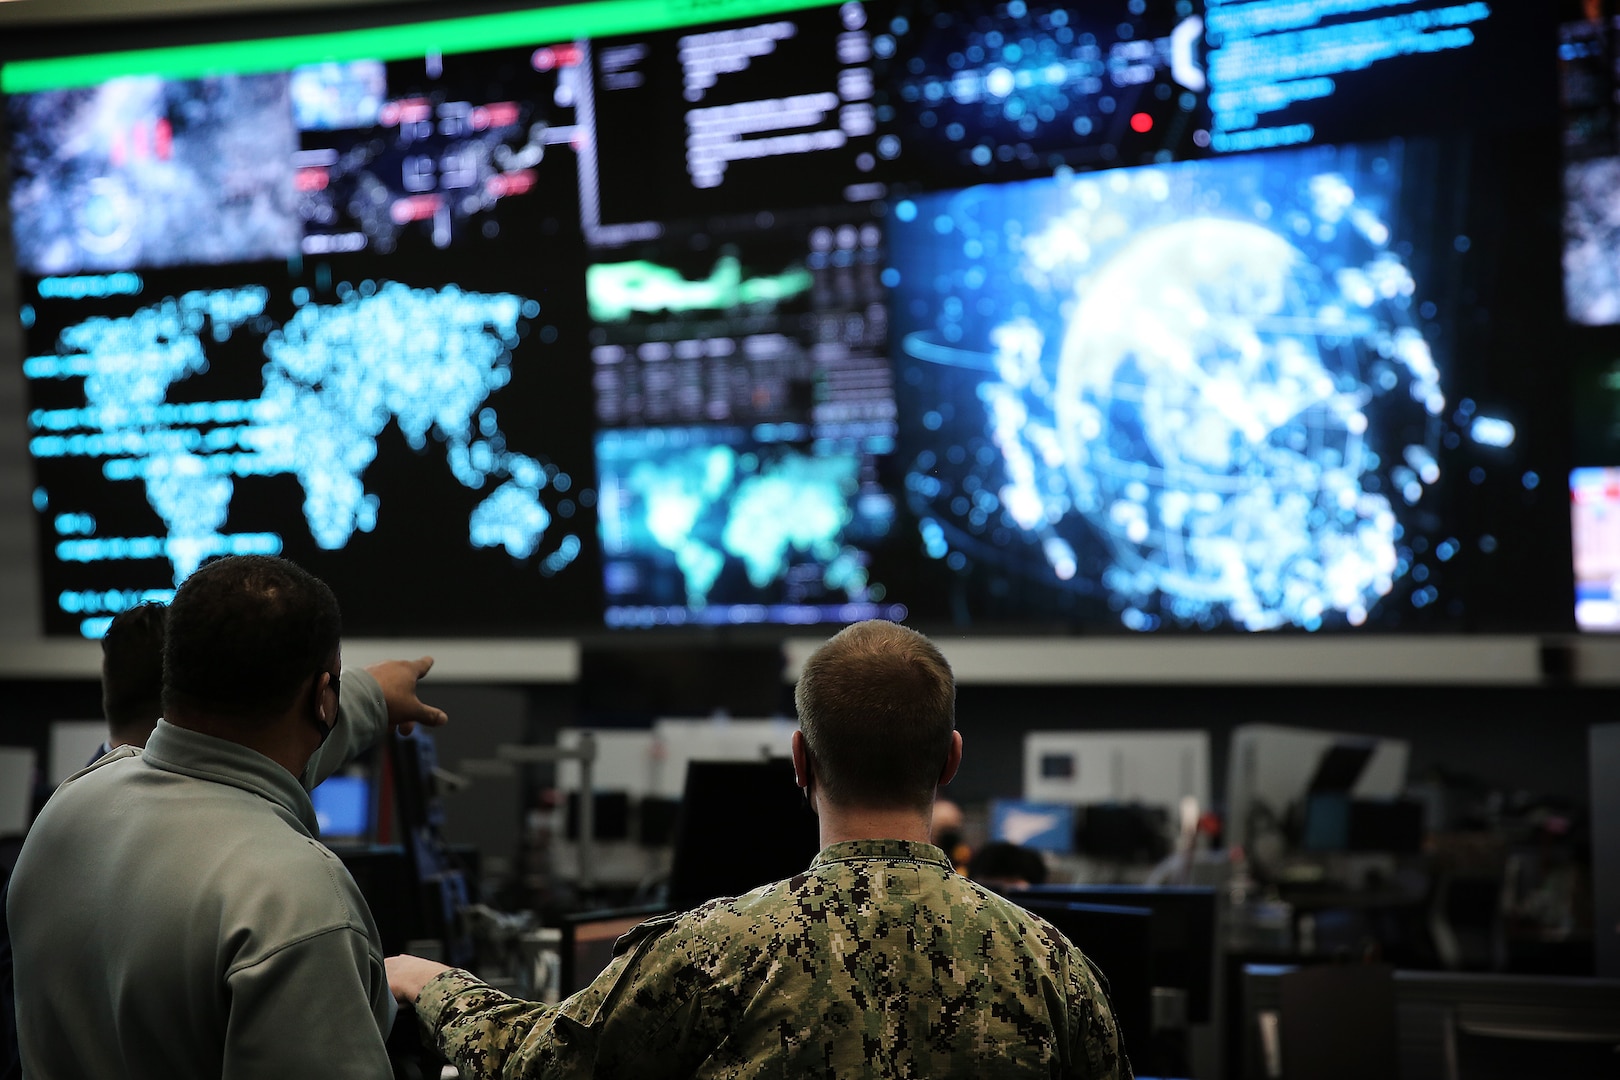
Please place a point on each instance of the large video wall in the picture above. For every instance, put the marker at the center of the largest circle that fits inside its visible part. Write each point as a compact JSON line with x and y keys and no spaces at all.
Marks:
{"x":1106,"y":316}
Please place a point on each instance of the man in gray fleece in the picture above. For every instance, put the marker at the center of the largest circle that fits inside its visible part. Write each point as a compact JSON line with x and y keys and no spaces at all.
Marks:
{"x":173,"y":913}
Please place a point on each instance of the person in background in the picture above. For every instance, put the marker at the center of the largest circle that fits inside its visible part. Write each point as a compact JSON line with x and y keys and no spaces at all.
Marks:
{"x":241,"y":946}
{"x":879,"y":960}
{"x":132,"y":675}
{"x":1001,"y":866}
{"x":131,"y":702}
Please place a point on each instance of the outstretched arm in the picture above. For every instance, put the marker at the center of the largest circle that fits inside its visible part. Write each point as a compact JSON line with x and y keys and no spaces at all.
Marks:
{"x":634,"y":1020}
{"x":481,"y":1030}
{"x":370,"y":701}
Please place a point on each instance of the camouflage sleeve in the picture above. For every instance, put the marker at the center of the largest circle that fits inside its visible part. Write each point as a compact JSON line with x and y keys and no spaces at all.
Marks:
{"x":489,"y":1035}
{"x":1093,"y":1034}
{"x":475,"y":1026}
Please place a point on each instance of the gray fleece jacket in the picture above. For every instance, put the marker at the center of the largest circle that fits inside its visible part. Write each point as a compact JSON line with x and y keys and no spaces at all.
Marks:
{"x":174,"y":915}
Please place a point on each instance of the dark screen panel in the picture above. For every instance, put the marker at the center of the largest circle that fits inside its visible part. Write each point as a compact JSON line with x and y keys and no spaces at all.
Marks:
{"x":394,"y":389}
{"x":1183,"y":932}
{"x":1117,"y":940}
{"x":721,"y":852}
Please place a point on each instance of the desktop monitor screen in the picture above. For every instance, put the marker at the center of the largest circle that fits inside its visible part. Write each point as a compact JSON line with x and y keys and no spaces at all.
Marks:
{"x":1183,"y":931}
{"x":343,"y":808}
{"x":1118,"y":940}
{"x":1594,"y":497}
{"x":742,"y":825}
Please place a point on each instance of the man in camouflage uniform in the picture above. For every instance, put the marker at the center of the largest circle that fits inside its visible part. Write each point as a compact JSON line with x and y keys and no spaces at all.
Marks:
{"x":879,"y":960}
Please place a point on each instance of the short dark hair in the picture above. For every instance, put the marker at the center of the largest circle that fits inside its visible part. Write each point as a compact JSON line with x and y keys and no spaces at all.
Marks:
{"x":132,"y":671}
{"x":245,"y":632}
{"x":877,"y":705}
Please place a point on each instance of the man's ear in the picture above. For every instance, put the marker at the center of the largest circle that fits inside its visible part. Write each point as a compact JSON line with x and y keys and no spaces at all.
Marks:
{"x":801,"y":761}
{"x":953,"y":759}
{"x":322,"y":681}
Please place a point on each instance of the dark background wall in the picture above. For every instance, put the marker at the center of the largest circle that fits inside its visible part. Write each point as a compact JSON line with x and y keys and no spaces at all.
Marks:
{"x":1529,"y":738}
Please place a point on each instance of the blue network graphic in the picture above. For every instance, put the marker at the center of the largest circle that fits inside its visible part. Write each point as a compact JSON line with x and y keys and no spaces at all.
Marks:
{"x":336,"y":375}
{"x":992,"y":88}
{"x":1215,"y":366}
{"x":429,"y":361}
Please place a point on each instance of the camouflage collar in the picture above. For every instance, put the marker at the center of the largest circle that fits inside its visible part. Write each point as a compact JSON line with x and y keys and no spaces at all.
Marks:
{"x":881,"y":849}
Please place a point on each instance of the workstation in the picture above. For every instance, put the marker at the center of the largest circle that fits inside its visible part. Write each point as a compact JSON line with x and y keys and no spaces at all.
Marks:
{"x":1243,"y":435}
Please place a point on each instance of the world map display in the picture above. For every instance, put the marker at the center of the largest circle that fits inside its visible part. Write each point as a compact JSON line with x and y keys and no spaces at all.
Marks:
{"x":332,"y":377}
{"x":711,"y":528}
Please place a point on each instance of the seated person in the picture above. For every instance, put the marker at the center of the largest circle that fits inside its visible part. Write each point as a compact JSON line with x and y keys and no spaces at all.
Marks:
{"x":879,"y":960}
{"x":1002,"y":866}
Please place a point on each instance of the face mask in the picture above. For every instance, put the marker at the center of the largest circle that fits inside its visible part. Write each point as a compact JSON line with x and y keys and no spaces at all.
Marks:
{"x":320,"y":725}
{"x":323,"y":728}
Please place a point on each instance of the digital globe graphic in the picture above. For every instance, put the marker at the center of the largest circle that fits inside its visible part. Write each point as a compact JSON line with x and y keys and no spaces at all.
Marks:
{"x":1193,"y":395}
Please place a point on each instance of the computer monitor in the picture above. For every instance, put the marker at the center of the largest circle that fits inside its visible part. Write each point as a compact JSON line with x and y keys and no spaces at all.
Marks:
{"x":1035,"y":825}
{"x":743,"y":824}
{"x":1119,"y":941}
{"x":1182,"y":952}
{"x":1594,"y":506}
{"x":345,"y":809}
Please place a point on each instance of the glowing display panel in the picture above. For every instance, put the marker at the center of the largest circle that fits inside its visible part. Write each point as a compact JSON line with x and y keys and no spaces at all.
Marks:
{"x":651,"y":314}
{"x":280,"y":314}
{"x":1195,"y":395}
{"x":747,"y":410}
{"x":1594,"y":496}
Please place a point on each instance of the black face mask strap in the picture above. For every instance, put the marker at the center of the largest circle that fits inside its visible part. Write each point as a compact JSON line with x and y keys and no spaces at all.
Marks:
{"x":320,"y":725}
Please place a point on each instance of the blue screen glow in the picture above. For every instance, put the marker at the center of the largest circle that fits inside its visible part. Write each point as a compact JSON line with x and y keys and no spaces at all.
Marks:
{"x":1199,"y":393}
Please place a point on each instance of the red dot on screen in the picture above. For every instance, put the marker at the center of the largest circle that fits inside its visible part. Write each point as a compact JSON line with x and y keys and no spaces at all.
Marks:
{"x":1141,"y":123}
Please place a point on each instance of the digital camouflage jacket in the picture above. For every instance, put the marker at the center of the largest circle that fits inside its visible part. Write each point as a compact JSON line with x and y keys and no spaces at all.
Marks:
{"x":879,"y":960}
